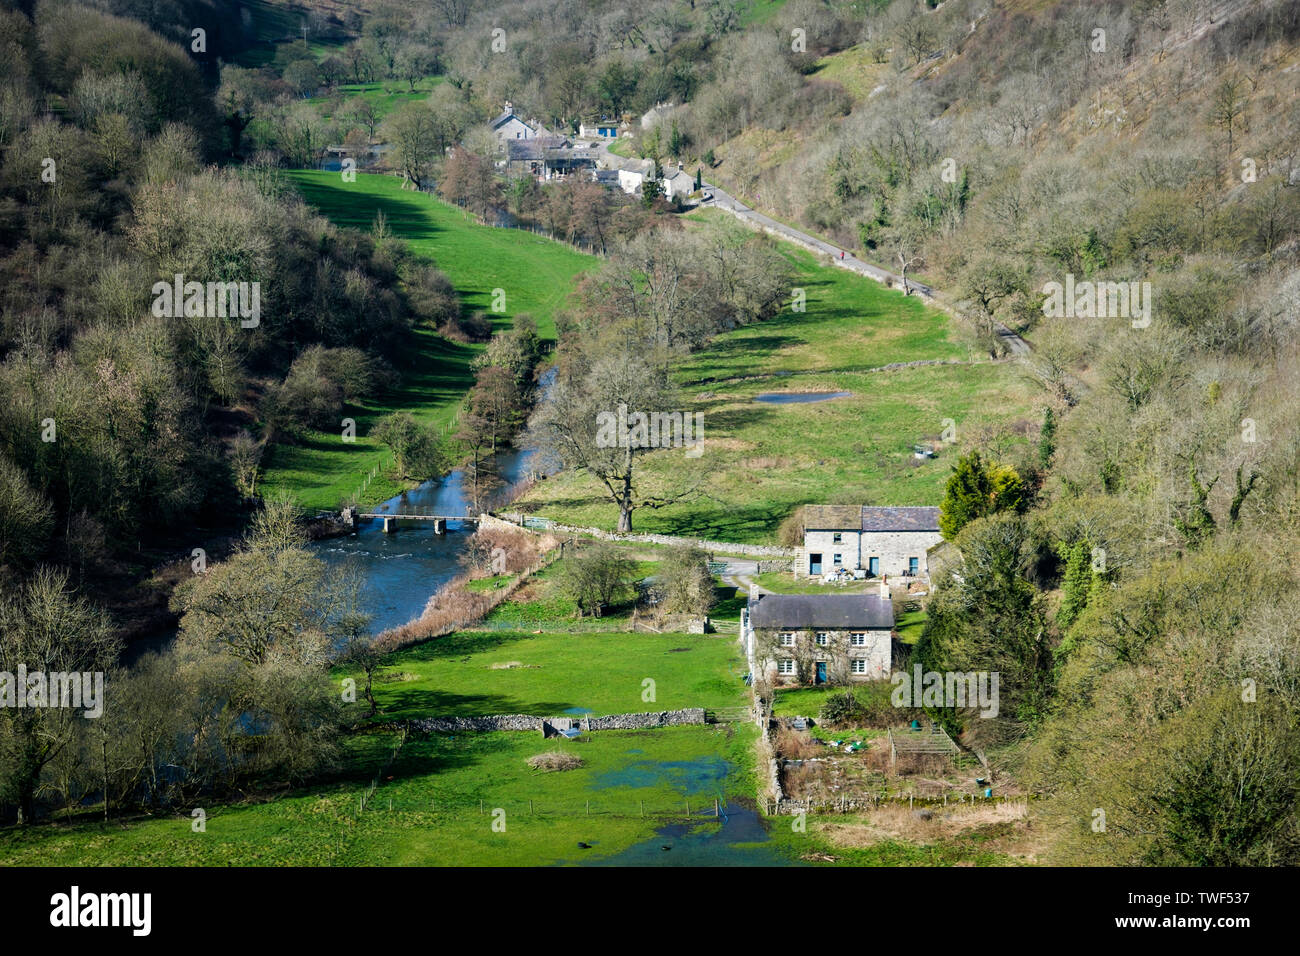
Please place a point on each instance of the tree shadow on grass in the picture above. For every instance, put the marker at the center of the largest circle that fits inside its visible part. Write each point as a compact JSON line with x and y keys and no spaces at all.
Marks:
{"x":415,"y":703}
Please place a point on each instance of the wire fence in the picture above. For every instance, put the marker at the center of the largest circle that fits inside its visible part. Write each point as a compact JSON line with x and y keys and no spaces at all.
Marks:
{"x":704,"y":807}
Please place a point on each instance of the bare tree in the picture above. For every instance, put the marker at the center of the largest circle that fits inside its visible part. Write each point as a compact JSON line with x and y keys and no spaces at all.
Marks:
{"x":588,"y":423}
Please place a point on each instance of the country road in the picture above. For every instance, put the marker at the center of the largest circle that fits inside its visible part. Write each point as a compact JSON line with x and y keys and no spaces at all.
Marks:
{"x":1014,"y":344}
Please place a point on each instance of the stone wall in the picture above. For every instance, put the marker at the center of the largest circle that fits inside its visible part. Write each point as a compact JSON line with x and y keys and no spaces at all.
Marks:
{"x":663,"y":718}
{"x":491,"y":722}
{"x":516,"y":519}
{"x":477,"y":724}
{"x":725,"y":547}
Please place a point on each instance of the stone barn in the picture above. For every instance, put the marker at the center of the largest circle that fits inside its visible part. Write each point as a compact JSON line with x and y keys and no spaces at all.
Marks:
{"x":878,"y":541}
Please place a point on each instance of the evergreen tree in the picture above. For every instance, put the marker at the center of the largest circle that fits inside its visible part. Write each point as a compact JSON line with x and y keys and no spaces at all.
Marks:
{"x":976,"y":489}
{"x":1047,"y":440}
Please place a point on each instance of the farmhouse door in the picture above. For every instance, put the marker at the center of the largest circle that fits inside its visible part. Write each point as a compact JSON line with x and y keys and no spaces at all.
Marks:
{"x":873,"y":567}
{"x":821,"y":672}
{"x":814,"y":564}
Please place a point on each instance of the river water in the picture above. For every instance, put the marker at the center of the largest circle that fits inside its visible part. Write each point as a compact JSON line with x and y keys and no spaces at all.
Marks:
{"x":400,"y":571}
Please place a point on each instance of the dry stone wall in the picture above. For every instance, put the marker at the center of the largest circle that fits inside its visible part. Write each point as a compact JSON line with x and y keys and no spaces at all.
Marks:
{"x":491,"y":722}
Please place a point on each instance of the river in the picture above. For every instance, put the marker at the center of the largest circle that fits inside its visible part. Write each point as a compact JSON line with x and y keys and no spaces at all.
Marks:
{"x":401,"y":570}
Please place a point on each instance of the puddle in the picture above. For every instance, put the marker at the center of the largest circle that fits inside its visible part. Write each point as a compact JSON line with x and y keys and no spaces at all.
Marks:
{"x":798,"y":398}
{"x":740,"y":841}
{"x":687,"y":777}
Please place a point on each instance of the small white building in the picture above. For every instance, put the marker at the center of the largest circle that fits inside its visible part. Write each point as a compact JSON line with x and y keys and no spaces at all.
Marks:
{"x":633,"y":174}
{"x":876,"y":540}
{"x":601,"y":130}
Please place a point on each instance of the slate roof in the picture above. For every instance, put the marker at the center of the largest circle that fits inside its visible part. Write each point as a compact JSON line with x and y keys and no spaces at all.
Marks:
{"x":900,"y":519}
{"x":830,"y":611}
{"x":540,"y":147}
{"x":832,"y":517}
{"x":869,"y":518}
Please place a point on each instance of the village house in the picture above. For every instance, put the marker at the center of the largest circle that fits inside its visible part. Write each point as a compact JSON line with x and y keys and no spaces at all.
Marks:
{"x":634,"y":173}
{"x":872,"y":541}
{"x":546,"y":158}
{"x":819,"y":638}
{"x":508,"y":127}
{"x":678,"y":184}
{"x":655,"y":115}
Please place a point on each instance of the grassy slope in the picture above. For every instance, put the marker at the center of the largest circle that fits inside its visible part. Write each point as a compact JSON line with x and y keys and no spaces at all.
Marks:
{"x":603,"y":673}
{"x":854,"y":69}
{"x":766,"y":459}
{"x":536,"y":274}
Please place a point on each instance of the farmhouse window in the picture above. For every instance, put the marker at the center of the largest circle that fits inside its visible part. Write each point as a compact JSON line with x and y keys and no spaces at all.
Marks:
{"x":822,"y":638}
{"x":859,"y":667}
{"x":837,"y":538}
{"x":785,"y":666}
{"x":787,"y":640}
{"x":838,"y":560}
{"x":858,"y":639}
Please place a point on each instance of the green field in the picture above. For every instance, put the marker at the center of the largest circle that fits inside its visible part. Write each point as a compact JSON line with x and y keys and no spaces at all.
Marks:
{"x":426,"y":807}
{"x":535,"y":273}
{"x":466,"y":675}
{"x":854,"y":69}
{"x":386,"y":96}
{"x":766,"y":460}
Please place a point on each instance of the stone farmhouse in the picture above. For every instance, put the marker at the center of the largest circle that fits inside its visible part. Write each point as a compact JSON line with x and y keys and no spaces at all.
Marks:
{"x":678,"y":184}
{"x":819,"y":638}
{"x":508,"y":127}
{"x":547,"y":157}
{"x":872,"y":541}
